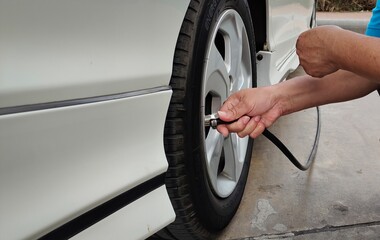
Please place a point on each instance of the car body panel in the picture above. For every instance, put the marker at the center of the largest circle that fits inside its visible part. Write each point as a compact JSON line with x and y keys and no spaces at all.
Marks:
{"x":267,"y":74}
{"x":59,"y":50}
{"x":59,"y":163}
{"x":121,"y":226}
{"x":286,"y":19}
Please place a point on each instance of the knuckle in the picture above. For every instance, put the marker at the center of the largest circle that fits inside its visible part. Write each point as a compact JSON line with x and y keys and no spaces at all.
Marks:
{"x":241,"y":134}
{"x":234,"y":128}
{"x":252,"y":135}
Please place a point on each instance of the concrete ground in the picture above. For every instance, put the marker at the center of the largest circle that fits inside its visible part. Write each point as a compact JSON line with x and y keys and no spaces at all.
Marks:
{"x":338,"y":198}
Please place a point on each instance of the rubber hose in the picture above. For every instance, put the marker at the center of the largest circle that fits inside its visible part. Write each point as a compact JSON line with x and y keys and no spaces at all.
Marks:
{"x":289,"y":154}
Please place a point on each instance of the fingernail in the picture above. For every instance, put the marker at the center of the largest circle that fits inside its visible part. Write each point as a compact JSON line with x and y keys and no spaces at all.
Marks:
{"x":246,"y":119}
{"x":257,"y":118}
{"x":222,"y":114}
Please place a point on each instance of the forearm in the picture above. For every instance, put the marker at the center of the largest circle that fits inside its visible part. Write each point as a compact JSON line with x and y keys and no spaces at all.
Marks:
{"x":357,"y":53}
{"x":259,"y":108}
{"x":305,"y":91}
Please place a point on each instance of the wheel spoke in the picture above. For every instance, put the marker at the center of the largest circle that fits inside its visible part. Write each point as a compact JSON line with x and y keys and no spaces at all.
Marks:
{"x":231,"y":156}
{"x":237,"y":64}
{"x":234,"y":150}
{"x":243,"y":73}
{"x":233,"y":32}
{"x":217,"y":79}
{"x":214,"y":145}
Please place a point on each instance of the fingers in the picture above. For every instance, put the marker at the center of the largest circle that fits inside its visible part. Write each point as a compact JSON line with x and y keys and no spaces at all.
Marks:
{"x":237,"y":126}
{"x":235,"y":106}
{"x":258,"y":130}
{"x":223,"y":130}
{"x":249,"y":127}
{"x":245,"y":126}
{"x":250,"y":107}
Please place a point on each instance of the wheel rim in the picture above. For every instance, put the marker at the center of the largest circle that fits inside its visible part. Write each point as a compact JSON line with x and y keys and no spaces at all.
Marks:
{"x":227,"y":69}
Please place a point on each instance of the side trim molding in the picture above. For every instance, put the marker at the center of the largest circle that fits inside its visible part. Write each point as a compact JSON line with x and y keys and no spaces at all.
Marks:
{"x":73,"y":102}
{"x":102,"y":211}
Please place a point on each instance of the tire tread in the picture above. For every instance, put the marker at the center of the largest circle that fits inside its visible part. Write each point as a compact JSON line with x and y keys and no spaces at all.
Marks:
{"x":185,"y":227}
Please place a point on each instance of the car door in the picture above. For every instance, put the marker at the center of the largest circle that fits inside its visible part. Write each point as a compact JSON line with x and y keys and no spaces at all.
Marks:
{"x":83,"y":99}
{"x":286,"y":20}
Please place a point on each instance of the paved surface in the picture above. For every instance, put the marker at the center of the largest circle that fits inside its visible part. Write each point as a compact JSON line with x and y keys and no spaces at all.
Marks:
{"x":338,"y":198}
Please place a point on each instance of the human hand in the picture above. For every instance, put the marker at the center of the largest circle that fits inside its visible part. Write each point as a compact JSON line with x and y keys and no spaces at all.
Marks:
{"x":256,"y":109}
{"x":316,"y":50}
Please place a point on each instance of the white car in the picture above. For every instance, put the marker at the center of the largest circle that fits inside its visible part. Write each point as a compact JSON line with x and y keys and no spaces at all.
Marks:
{"x":102,"y":112}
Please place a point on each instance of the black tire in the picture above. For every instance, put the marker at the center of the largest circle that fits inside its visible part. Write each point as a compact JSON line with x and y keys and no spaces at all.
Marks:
{"x":200,"y":213}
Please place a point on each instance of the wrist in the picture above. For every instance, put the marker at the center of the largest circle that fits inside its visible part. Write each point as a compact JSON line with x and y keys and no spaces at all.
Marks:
{"x":280,"y":98}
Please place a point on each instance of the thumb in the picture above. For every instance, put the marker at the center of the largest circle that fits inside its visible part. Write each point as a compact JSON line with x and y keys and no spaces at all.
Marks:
{"x":232,"y":109}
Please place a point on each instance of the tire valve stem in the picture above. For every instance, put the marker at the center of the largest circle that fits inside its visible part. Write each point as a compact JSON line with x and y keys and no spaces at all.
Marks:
{"x":213,"y":120}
